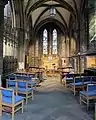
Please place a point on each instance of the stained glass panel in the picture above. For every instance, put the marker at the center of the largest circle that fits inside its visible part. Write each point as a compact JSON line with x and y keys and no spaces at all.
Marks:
{"x":45,"y":41}
{"x":54,"y":42}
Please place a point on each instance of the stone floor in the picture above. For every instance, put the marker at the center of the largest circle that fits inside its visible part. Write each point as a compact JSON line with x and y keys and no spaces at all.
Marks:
{"x":51,"y":102}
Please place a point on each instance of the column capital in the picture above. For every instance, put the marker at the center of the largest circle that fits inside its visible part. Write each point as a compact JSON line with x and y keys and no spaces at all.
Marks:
{"x":3,"y":2}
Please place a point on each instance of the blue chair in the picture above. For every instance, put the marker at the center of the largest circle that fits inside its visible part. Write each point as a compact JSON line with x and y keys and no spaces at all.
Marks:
{"x":22,"y":88}
{"x":90,"y":94}
{"x":79,"y":83}
{"x":30,"y":82}
{"x":9,"y":100}
{"x":31,"y":75}
{"x":93,"y":80}
{"x":11,"y":77}
{"x":67,"y":80}
{"x":11,"y":84}
{"x":19,"y":77}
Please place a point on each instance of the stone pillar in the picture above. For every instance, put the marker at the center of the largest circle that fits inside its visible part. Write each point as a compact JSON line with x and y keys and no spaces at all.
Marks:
{"x":2,"y":4}
{"x":79,"y":45}
{"x":21,"y":52}
{"x":69,"y":43}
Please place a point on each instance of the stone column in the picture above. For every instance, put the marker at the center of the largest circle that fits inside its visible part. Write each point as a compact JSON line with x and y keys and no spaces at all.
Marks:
{"x":79,"y":45}
{"x":69,"y":43}
{"x":2,"y":4}
{"x":21,"y":52}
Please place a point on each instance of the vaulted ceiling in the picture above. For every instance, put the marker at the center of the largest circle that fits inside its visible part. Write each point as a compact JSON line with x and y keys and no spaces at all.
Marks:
{"x":39,"y":10}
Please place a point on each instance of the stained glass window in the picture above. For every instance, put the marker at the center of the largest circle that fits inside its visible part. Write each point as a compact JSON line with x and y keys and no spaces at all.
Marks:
{"x":45,"y":42}
{"x":54,"y":42}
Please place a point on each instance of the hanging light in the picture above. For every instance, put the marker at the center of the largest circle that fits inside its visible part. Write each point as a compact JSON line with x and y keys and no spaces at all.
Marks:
{"x":52,"y":11}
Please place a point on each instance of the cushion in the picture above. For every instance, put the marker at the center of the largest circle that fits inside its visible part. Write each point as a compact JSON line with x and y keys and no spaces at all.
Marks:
{"x":78,"y":84}
{"x":12,"y":83}
{"x":32,"y":83}
{"x":91,"y":87}
{"x":19,"y":77}
{"x":12,"y":77}
{"x":8,"y":100}
{"x":12,"y":87}
{"x":7,"y":93}
{"x":34,"y":79}
{"x":24,"y":89}
{"x":27,"y":78}
{"x":69,"y":78}
{"x":90,"y":93}
{"x":22,"y":84}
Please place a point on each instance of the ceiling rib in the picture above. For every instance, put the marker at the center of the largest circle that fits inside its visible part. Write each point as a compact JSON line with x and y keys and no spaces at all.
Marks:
{"x":40,"y":3}
{"x":49,"y":16}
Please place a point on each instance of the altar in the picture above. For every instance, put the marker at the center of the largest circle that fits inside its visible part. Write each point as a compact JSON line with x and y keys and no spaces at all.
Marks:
{"x":50,"y":62}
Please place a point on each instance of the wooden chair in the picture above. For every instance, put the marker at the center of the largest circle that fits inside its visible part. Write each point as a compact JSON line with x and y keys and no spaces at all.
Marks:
{"x":23,"y":89}
{"x":8,"y":99}
{"x":19,"y":77}
{"x":11,"y":84}
{"x":90,"y":94}
{"x":30,"y":82}
{"x":79,"y":84}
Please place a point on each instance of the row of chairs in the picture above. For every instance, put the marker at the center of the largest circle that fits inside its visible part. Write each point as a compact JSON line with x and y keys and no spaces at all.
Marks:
{"x":19,"y":88}
{"x":85,"y":85}
{"x":31,"y":80}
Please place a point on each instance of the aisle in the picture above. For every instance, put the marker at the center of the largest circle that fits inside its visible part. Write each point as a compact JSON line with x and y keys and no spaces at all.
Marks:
{"x":52,"y":102}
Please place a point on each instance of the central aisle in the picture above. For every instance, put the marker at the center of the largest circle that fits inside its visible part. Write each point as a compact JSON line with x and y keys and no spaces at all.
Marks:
{"x":52,"y":102}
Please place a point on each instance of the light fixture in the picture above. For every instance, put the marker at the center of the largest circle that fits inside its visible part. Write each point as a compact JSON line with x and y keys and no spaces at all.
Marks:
{"x":52,"y":10}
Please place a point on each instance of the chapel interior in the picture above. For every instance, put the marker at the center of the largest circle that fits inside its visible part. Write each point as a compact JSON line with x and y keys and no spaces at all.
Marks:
{"x":51,"y":43}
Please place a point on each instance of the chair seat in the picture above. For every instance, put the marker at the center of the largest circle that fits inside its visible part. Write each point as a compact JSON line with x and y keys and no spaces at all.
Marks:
{"x":90,"y":93}
{"x":8,"y":100}
{"x":78,"y":84}
{"x":93,"y":82}
{"x":24,"y":89}
{"x":34,"y":79}
{"x":12,"y":88}
{"x":69,"y":78}
{"x":32,"y":83}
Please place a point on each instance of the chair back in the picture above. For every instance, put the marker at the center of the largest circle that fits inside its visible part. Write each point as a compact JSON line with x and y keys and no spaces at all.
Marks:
{"x":11,"y":83}
{"x":68,"y":75}
{"x":18,"y":74}
{"x":31,"y":75}
{"x":79,"y":79}
{"x":87,"y":78}
{"x":7,"y":93}
{"x":19,"y":77}
{"x":27,"y":78}
{"x":12,"y":77}
{"x":93,"y":79}
{"x":22,"y":84}
{"x":24,"y":74}
{"x":91,"y":87}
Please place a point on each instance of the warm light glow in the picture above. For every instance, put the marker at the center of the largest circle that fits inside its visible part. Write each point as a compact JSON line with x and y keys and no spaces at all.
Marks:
{"x":48,"y":61}
{"x":49,"y":58}
{"x":91,"y":62}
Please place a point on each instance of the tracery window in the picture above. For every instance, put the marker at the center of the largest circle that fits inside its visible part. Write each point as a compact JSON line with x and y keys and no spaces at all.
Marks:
{"x":45,"y":42}
{"x":54,"y":42}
